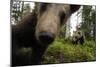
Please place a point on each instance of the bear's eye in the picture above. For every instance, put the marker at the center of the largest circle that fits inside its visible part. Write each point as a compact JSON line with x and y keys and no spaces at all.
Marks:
{"x":43,"y":7}
{"x":62,"y":17}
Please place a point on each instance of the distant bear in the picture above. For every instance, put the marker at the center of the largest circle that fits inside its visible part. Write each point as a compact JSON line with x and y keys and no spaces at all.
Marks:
{"x":37,"y":30}
{"x":78,"y":37}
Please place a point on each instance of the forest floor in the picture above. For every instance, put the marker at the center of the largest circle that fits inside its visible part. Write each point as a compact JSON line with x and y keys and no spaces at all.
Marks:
{"x":65,"y":52}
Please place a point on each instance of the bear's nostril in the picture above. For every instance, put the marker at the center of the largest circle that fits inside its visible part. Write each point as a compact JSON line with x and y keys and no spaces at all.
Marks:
{"x":46,"y":38}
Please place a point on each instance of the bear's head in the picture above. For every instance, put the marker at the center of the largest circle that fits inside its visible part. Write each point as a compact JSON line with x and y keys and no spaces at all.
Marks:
{"x":50,"y":18}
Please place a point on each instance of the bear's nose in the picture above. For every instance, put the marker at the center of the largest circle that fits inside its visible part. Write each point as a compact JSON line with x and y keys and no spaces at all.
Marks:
{"x":46,"y":37}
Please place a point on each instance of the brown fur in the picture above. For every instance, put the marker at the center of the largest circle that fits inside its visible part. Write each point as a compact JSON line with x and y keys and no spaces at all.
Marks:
{"x":46,"y":17}
{"x":78,"y":37}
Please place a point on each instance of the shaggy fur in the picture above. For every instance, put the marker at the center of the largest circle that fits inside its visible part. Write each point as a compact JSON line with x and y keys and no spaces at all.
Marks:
{"x":46,"y":17}
{"x":78,"y":37}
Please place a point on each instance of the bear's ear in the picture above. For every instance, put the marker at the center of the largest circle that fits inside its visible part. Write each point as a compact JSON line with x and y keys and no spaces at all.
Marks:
{"x":74,"y":8}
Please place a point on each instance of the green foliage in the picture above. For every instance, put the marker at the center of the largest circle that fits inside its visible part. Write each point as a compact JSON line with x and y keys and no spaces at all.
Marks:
{"x":88,"y":24}
{"x":18,"y":10}
{"x":62,"y":32}
{"x":62,"y":52}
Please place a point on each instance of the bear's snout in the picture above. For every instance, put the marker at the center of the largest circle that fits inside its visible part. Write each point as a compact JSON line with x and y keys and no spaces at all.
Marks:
{"x":46,"y":37}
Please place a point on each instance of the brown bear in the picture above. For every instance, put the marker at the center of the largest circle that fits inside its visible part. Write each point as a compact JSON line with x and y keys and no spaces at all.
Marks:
{"x":37,"y":30}
{"x":78,"y":37}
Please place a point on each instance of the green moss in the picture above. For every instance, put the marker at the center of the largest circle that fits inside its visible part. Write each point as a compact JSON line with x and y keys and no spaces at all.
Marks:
{"x":63,"y":52}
